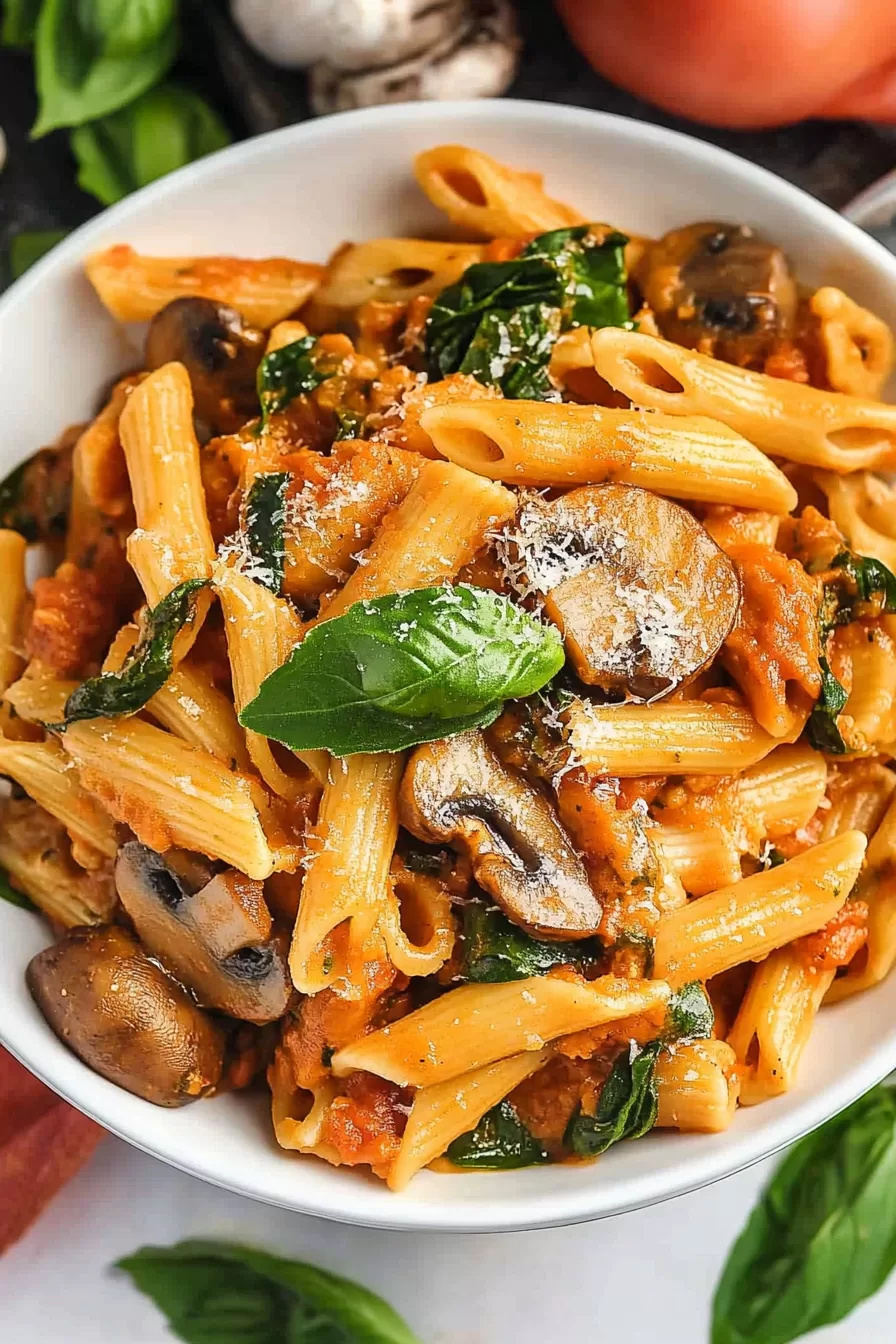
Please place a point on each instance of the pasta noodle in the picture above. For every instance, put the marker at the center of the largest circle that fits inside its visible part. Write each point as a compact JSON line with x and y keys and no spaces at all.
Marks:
{"x":697,"y":1086}
{"x":858,"y":347}
{"x":479,"y":193}
{"x":393,"y":270}
{"x":12,"y":606}
{"x":772,"y":1027}
{"x":688,"y":737}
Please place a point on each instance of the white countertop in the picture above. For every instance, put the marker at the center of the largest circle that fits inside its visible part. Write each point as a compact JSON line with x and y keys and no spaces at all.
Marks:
{"x":645,"y":1278}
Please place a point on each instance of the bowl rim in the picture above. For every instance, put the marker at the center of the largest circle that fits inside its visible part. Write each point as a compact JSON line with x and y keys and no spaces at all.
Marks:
{"x":588,"y":1201}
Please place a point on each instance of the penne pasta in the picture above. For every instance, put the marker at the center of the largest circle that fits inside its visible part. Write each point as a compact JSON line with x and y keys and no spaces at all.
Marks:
{"x":772,"y":1027}
{"x":13,"y":594}
{"x":697,"y":1087}
{"x":878,"y":887}
{"x":535,"y":443}
{"x":862,"y":506}
{"x":48,"y":776}
{"x":479,"y":193}
{"x":784,"y":790}
{"x":858,"y":346}
{"x":674,"y":737}
{"x":786,"y":419}
{"x":704,"y":858}
{"x":393,"y":270}
{"x":748,"y":920}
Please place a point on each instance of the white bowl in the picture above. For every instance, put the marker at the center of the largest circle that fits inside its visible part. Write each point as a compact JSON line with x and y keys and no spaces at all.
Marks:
{"x":297,"y":192}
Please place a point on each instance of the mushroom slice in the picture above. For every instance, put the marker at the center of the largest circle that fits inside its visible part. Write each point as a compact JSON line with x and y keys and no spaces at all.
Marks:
{"x":642,"y":594}
{"x":720,"y":288}
{"x":217,"y":940}
{"x":220,"y":352}
{"x":122,"y":1015}
{"x":457,"y":791}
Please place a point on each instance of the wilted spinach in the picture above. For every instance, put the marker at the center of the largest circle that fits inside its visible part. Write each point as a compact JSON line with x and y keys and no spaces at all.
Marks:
{"x":500,"y":1142}
{"x":264,"y":522}
{"x":496,"y":950}
{"x":287,"y":373}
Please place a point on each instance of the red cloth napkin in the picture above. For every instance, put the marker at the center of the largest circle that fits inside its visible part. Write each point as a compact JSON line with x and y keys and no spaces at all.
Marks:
{"x":43,"y":1142}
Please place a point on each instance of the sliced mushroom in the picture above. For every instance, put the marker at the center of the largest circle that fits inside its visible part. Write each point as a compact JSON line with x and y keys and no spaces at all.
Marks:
{"x":457,"y":792}
{"x":640,"y":591}
{"x":217,"y":940}
{"x":220,"y":352}
{"x":720,"y":288}
{"x":125,"y":1018}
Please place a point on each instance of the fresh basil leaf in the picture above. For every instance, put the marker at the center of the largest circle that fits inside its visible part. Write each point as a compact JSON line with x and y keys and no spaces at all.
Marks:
{"x":626,"y":1108}
{"x":9,"y":893}
{"x":96,"y":56}
{"x":19,"y":22}
{"x":500,"y":1142}
{"x":496,"y":950}
{"x":147,"y":667}
{"x":821,"y":729}
{"x":500,"y":321}
{"x":27,"y":248}
{"x":164,"y":129}
{"x":288,"y":373}
{"x":403,"y":669}
{"x":264,"y":521}
{"x":823,"y":1236}
{"x":216,"y":1293}
{"x":691,"y":1015}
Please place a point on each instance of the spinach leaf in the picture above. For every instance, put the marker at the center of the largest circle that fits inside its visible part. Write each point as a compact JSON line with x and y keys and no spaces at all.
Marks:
{"x":500,"y":1142}
{"x":27,"y":248}
{"x":213,"y":1292}
{"x":264,"y":520}
{"x":287,"y":373}
{"x":148,"y":665}
{"x":9,"y":893}
{"x":691,"y":1015}
{"x":821,"y":729}
{"x":19,"y":22}
{"x":495,"y":950}
{"x":626,"y":1108}
{"x":823,"y":1236}
{"x":402,"y":669}
{"x":95,"y":56}
{"x":500,"y":321}
{"x":164,"y":129}
{"x":865,"y":583}
{"x":351,"y":424}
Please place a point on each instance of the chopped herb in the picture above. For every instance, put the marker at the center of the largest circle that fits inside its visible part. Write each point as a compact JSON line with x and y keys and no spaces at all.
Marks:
{"x":264,"y":523}
{"x":500,"y":1142}
{"x":496,"y":950}
{"x":288,"y":373}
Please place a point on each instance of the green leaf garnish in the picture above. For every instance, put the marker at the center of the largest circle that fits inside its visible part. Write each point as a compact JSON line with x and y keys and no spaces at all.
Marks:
{"x":9,"y":893}
{"x":212,"y":1292}
{"x":500,"y":321}
{"x":496,"y":950}
{"x":148,"y":665}
{"x":167,"y":127}
{"x":27,"y":248}
{"x":821,"y":728}
{"x":93,"y":58}
{"x":264,"y":522}
{"x":823,"y":1235}
{"x":19,"y":22}
{"x":403,"y":669}
{"x":500,"y":1142}
{"x":691,"y":1016}
{"x":288,"y":373}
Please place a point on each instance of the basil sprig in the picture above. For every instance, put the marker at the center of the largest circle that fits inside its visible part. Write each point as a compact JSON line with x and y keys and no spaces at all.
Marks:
{"x":628,"y":1101}
{"x":500,"y":1142}
{"x":264,"y":523}
{"x":496,"y":950}
{"x":823,"y":1236}
{"x":500,"y":321}
{"x":403,"y":669}
{"x":287,"y":373}
{"x":213,"y":1292}
{"x":147,"y":667}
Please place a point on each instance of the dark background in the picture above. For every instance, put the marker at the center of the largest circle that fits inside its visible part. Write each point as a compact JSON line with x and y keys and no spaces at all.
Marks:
{"x":831,"y":159}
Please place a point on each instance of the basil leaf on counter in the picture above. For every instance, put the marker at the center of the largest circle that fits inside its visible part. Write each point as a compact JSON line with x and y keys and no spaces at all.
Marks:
{"x":264,"y":521}
{"x":9,"y":893}
{"x":27,"y":248}
{"x":147,"y":667}
{"x":500,"y":321}
{"x":402,"y":669}
{"x":287,"y":373}
{"x":19,"y":22}
{"x":96,"y":56}
{"x":496,"y":950}
{"x":821,"y":728}
{"x":164,"y":129}
{"x":500,"y":1142}
{"x":213,"y":1292}
{"x":626,"y":1108}
{"x":823,"y":1236}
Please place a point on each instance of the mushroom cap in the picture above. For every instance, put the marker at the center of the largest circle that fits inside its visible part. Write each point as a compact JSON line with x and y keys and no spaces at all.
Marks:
{"x":125,"y":1018}
{"x":457,"y":791}
{"x":217,"y":940}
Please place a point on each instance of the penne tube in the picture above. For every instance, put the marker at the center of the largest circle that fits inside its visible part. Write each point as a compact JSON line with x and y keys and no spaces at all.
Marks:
{"x":479,"y":193}
{"x":878,"y":887}
{"x":872,"y":699}
{"x":774,"y":1022}
{"x":34,"y":852}
{"x":442,"y":1112}
{"x":704,"y":858}
{"x":783,"y":418}
{"x":858,"y":346}
{"x":748,"y":920}
{"x":135,"y":287}
{"x":48,"y":776}
{"x":476,"y":1025}
{"x":697,"y":1087}
{"x":689,"y":737}
{"x":862,"y":804}
{"x":12,"y":606}
{"x":442,"y":522}
{"x":393,"y":270}
{"x":539,"y":443}
{"x":347,"y":879}
{"x":99,"y":465}
{"x":423,"y":903}
{"x":862,"y":507}
{"x":297,"y":1114}
{"x":784,"y":790}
